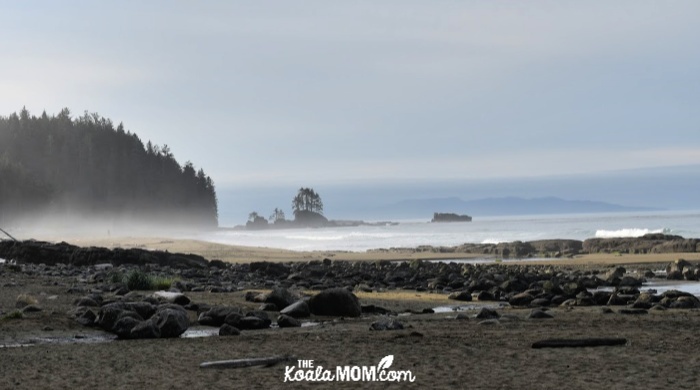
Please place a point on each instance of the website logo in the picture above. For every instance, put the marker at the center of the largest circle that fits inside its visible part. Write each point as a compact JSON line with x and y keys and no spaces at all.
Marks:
{"x":306,"y":371}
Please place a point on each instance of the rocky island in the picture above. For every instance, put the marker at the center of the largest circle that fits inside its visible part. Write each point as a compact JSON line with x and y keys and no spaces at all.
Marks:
{"x":450,"y":217}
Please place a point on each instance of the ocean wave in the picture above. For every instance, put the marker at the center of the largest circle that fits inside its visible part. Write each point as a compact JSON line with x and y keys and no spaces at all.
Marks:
{"x":491,"y":241}
{"x":347,"y":236}
{"x":631,"y":232}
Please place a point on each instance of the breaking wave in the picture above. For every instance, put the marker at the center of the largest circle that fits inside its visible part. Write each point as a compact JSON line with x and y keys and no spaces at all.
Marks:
{"x":632,"y":232}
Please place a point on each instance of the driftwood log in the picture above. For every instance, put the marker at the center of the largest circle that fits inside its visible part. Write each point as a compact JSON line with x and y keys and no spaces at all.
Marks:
{"x":579,"y":343}
{"x":242,"y":363}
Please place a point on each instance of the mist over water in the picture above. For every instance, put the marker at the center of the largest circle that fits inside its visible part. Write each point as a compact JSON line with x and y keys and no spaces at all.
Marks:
{"x":410,"y":234}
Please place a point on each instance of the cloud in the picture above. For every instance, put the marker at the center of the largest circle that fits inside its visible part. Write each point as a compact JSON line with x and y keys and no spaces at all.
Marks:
{"x":256,"y":91}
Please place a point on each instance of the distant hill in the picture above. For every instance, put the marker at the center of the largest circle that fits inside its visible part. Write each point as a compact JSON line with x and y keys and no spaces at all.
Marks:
{"x":87,"y":168}
{"x":419,"y":208}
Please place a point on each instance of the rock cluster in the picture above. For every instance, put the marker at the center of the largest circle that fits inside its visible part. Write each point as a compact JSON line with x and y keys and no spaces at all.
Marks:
{"x":131,"y":318}
{"x":39,"y":252}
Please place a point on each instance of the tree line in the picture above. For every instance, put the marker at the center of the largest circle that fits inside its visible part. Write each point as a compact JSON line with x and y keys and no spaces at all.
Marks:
{"x":88,"y":165}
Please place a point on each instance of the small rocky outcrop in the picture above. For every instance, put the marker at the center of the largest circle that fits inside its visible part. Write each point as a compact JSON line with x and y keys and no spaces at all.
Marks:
{"x":216,"y":316}
{"x":136,"y":320}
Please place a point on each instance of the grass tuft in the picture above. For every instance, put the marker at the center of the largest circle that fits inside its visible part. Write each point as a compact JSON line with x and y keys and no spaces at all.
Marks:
{"x":13,"y":315}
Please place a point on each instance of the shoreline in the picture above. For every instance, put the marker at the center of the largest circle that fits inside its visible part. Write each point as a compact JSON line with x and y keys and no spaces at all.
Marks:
{"x":244,"y":254}
{"x":438,"y":330}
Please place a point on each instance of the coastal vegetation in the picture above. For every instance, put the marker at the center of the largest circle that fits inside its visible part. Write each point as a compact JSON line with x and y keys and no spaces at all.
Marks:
{"x":62,"y":166}
{"x":307,"y":207}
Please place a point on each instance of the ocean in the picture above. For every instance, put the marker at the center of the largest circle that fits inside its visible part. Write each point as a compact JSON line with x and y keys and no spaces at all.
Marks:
{"x":481,"y":230}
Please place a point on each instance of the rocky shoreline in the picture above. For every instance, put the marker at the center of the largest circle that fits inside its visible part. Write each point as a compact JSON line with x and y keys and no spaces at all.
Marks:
{"x":108,"y":302}
{"x":649,"y":243}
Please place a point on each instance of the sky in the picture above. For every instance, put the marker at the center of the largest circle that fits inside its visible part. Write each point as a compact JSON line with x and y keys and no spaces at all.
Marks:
{"x":320,"y":92}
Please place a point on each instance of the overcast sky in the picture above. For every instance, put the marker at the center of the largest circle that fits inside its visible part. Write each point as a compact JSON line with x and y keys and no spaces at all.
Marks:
{"x":260,"y":92}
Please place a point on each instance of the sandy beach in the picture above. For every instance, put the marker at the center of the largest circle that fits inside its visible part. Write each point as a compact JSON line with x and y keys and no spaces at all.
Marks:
{"x":242,"y":254}
{"x":50,"y":350}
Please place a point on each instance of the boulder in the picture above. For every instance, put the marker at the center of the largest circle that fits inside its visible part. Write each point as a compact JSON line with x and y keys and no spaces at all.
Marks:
{"x":281,"y":297}
{"x":464,"y":296}
{"x":485,"y":296}
{"x":298,"y":309}
{"x":252,"y":322}
{"x":85,"y":316}
{"x":335,"y":302}
{"x":216,"y":316}
{"x":171,"y":322}
{"x":286,"y":321}
{"x":122,"y":328}
{"x":228,"y":330}
{"x":522,"y":299}
{"x":145,"y":330}
{"x":485,"y":314}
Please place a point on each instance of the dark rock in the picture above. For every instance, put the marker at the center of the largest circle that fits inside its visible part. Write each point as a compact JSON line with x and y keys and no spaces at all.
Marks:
{"x":386,"y":324}
{"x":285,"y":321}
{"x":601,"y":297}
{"x":268,"y":307}
{"x":31,"y":309}
{"x":685,"y":302}
{"x":233,"y":319}
{"x":464,"y":296}
{"x":122,"y":328}
{"x":522,"y":299}
{"x":85,"y":316}
{"x":373,"y":309}
{"x":485,"y":314}
{"x":485,"y":296}
{"x":335,"y":302}
{"x":171,"y":322}
{"x":630,"y":281}
{"x":216,"y":316}
{"x":298,"y":309}
{"x":145,"y":330}
{"x":86,"y":301}
{"x":251,"y":322}
{"x":281,"y":297}
{"x":539,"y":314}
{"x":108,"y":315}
{"x":540,"y":302}
{"x":229,"y":330}
{"x":616,"y":300}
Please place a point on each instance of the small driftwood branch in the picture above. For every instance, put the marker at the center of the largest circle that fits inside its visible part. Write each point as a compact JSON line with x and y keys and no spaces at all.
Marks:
{"x":8,"y":235}
{"x":579,"y":343}
{"x":242,"y":363}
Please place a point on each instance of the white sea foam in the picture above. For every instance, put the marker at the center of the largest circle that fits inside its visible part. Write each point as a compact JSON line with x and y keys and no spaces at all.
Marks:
{"x":631,"y":232}
{"x":2,"y":261}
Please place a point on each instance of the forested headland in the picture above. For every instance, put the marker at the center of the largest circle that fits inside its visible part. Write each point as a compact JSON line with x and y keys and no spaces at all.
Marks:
{"x":86,"y":167}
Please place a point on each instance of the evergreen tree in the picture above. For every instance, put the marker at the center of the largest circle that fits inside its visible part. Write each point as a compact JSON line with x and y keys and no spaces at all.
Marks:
{"x":87,"y":165}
